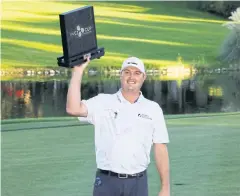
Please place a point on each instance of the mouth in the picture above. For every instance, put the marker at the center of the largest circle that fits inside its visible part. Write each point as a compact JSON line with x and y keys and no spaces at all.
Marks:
{"x":131,"y":82}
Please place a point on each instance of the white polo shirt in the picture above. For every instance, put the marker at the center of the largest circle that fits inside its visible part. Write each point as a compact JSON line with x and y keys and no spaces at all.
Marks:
{"x":125,"y":132}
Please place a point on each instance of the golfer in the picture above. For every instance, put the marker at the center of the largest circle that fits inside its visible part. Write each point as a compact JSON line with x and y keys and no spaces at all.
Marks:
{"x":126,"y":126}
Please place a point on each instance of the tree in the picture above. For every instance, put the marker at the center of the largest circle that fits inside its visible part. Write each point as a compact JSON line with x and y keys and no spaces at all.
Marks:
{"x":230,"y":49}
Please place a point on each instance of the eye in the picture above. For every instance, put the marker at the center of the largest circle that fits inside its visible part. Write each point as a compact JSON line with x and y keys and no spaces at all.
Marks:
{"x":138,"y":73}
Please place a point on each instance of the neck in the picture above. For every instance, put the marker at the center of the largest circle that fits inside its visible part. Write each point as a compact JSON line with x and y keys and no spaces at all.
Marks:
{"x":130,"y":96}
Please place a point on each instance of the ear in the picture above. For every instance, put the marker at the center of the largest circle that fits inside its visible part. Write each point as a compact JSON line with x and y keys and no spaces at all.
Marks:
{"x":144,"y":76}
{"x":120,"y":74}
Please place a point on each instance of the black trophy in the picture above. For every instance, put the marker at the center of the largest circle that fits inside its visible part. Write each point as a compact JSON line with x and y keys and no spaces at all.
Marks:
{"x":78,"y":34}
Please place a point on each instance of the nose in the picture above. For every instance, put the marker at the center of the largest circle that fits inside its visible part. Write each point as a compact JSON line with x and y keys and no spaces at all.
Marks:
{"x":131,"y":77}
{"x":131,"y":74}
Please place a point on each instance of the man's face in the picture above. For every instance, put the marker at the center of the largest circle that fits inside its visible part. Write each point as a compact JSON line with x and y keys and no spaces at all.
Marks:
{"x":132,"y":79}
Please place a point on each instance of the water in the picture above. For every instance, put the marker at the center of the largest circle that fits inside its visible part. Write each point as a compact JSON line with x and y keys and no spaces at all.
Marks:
{"x":202,"y":92}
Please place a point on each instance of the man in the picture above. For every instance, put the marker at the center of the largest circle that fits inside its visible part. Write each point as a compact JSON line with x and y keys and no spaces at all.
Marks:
{"x":126,"y":125}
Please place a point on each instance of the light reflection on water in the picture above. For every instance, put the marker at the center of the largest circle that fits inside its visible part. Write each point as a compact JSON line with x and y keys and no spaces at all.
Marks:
{"x":204,"y":92}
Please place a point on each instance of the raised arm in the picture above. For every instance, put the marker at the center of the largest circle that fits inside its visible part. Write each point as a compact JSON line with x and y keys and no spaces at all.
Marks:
{"x":74,"y":106}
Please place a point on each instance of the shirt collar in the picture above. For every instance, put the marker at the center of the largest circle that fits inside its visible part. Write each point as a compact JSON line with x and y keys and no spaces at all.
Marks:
{"x":121,"y":98}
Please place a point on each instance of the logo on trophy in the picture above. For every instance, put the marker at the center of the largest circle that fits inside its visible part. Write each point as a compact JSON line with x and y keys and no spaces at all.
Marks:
{"x":79,"y":41}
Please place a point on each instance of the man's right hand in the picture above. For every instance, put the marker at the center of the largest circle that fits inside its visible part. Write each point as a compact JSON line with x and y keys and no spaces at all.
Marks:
{"x":80,"y":68}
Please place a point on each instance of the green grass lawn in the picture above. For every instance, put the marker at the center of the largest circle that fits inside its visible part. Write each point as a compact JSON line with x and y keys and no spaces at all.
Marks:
{"x":154,"y":31}
{"x":56,"y":156}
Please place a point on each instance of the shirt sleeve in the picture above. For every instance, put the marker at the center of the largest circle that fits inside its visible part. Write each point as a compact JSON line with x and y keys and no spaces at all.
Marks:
{"x":160,"y":133}
{"x":93,"y":107}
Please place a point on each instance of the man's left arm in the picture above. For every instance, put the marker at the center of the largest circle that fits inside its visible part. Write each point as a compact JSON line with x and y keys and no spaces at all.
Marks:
{"x":160,"y":141}
{"x":162,"y":164}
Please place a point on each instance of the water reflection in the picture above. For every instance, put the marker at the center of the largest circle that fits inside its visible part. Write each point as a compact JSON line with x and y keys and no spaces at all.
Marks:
{"x":202,"y":93}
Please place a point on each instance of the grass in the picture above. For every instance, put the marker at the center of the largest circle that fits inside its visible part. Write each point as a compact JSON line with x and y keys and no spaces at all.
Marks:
{"x":154,"y":31}
{"x":56,"y":156}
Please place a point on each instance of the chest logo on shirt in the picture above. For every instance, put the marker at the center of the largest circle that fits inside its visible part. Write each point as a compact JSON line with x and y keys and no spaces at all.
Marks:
{"x":144,"y":116}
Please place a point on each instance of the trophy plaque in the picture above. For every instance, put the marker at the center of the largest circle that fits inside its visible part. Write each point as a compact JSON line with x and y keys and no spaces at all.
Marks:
{"x":78,"y":33}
